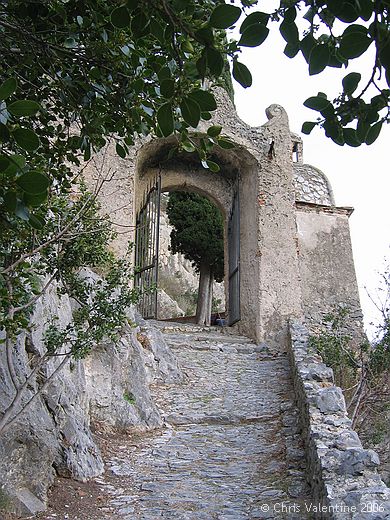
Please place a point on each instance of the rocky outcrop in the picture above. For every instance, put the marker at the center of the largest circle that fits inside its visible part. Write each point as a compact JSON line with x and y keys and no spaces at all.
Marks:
{"x":167,"y":307}
{"x":53,"y":436}
{"x":118,"y":377}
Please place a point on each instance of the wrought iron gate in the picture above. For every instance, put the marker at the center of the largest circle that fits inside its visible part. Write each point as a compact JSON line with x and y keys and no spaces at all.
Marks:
{"x":146,"y":250}
{"x":234,"y":258}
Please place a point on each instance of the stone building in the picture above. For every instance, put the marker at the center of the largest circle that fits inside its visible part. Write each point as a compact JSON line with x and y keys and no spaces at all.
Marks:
{"x":287,"y":248}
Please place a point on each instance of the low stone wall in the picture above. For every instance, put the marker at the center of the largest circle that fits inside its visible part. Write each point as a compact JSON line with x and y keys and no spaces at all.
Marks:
{"x":343,"y":476}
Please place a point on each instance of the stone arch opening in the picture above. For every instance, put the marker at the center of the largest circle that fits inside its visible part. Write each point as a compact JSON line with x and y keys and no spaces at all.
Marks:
{"x":200,"y":292}
{"x":237,"y":176}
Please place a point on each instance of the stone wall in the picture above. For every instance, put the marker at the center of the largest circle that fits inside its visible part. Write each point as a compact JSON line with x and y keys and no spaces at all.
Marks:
{"x":343,"y":475}
{"x":53,"y":436}
{"x":326,"y":267}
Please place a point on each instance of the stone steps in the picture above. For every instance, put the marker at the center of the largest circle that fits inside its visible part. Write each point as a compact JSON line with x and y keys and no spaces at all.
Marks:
{"x":231,"y":448}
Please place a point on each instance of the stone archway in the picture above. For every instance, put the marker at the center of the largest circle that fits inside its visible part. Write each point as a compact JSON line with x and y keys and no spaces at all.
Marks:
{"x":269,"y":285}
{"x":184,"y":173}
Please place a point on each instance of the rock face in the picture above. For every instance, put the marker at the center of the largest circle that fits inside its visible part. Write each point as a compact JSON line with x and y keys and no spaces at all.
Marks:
{"x":53,"y":436}
{"x":118,"y":378}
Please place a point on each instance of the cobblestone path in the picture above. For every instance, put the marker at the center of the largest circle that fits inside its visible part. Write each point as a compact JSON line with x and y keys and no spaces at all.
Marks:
{"x":231,"y":449}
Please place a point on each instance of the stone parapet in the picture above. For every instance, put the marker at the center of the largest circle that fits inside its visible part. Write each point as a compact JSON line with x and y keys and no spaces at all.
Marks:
{"x":343,"y":475}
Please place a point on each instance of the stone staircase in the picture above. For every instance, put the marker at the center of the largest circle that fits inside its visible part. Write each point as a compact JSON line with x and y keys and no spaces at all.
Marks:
{"x":231,"y":448}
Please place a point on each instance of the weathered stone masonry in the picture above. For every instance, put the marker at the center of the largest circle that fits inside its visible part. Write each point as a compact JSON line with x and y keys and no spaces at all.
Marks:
{"x":342,"y":474}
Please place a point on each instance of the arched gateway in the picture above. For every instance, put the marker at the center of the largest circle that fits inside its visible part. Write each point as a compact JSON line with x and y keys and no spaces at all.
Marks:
{"x":287,"y":247}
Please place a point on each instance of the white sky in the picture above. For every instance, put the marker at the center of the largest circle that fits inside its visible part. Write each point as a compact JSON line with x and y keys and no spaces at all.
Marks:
{"x":360,"y":177}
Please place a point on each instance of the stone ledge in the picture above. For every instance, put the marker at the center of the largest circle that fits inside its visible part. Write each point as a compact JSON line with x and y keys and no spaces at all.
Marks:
{"x":341,"y":472}
{"x":323,"y":208}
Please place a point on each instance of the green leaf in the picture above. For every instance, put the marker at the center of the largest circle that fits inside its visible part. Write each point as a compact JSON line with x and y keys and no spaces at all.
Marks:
{"x":26,"y":139}
{"x":70,"y":43}
{"x":354,"y":44}
{"x":132,"y":4}
{"x":164,"y":73}
{"x":205,"y":115}
{"x":373,"y":133}
{"x":317,"y":103}
{"x":120,"y":150}
{"x":187,"y":47}
{"x":215,"y":61}
{"x":4,"y":163}
{"x":242,"y":74}
{"x":4,"y":133}
{"x":362,"y":129}
{"x":24,"y":108}
{"x":307,"y":45}
{"x":225,"y":144}
{"x":350,"y":82}
{"x":384,"y":56}
{"x":343,"y":10}
{"x":190,"y":110}
{"x":334,"y":131}
{"x":36,"y":222}
{"x":351,"y":137}
{"x":33,"y":182}
{"x":291,"y":50}
{"x":8,"y":88}
{"x":366,"y":9}
{"x":10,"y":201}
{"x":309,"y":15}
{"x":205,"y":36}
{"x":319,"y":59}
{"x":381,"y":100}
{"x":253,"y":35}
{"x":120,"y":17}
{"x":205,"y":100}
{"x":157,"y":30}
{"x":167,"y":88}
{"x":165,"y":119}
{"x":140,"y":25}
{"x":16,"y":163}
{"x":290,"y":15}
{"x":213,"y":131}
{"x":290,"y":33}
{"x":307,"y":127}
{"x":201,"y":65}
{"x":188,"y":146}
{"x":224,"y":16}
{"x":256,"y":17}
{"x":214,"y":167}
{"x":34,"y":200}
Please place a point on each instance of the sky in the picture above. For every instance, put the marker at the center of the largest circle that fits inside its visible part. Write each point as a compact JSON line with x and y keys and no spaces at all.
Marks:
{"x":360,"y":177}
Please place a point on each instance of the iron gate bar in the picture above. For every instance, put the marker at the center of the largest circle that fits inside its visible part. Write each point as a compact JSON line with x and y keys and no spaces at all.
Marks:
{"x":146,"y":249}
{"x":234,"y":258}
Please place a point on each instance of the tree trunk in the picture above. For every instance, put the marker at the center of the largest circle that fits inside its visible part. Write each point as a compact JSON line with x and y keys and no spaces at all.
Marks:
{"x":203,"y":303}
{"x":210,"y":298}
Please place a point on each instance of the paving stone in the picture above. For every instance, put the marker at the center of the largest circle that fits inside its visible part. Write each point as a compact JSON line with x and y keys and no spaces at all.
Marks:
{"x":230,"y":445}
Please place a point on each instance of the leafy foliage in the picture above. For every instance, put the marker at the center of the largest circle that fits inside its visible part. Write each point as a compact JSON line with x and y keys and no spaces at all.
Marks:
{"x":197,"y":231}
{"x":73,"y":74}
{"x":74,"y":237}
{"x":362,"y":370}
